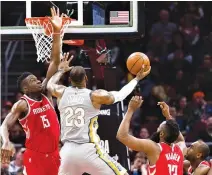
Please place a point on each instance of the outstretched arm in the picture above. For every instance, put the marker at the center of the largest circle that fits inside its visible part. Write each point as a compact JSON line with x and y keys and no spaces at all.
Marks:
{"x":56,"y":22}
{"x":7,"y":147}
{"x":180,"y":140}
{"x":145,"y":145}
{"x":101,"y":96}
{"x":53,"y":87}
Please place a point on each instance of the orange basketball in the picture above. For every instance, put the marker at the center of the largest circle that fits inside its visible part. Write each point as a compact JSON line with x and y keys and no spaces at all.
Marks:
{"x":135,"y":62}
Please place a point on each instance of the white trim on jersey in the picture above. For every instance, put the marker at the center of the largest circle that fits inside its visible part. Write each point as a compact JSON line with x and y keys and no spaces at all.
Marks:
{"x":29,"y":110}
{"x":31,"y":98}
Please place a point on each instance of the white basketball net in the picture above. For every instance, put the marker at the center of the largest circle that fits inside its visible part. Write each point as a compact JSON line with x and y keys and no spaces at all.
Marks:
{"x":43,"y":42}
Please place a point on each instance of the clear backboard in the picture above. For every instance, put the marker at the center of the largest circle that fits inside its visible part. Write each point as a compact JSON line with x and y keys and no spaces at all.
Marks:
{"x":90,"y":19}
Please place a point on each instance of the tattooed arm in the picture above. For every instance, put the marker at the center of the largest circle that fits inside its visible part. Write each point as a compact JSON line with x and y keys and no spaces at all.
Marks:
{"x":100,"y":97}
{"x":53,"y":87}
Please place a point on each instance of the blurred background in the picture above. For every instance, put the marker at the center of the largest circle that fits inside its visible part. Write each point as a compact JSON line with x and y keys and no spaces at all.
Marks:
{"x":178,"y":42}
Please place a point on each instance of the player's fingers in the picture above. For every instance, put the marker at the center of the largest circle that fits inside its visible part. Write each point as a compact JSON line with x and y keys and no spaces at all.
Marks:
{"x":5,"y":155}
{"x":66,"y":16}
{"x":66,"y":56}
{"x":141,"y":102}
{"x":70,"y":68}
{"x":54,"y":11}
{"x":58,"y":12}
{"x":136,"y":98}
{"x":148,"y":71}
{"x":71,"y":58}
{"x":161,"y":103}
{"x":133,"y":98}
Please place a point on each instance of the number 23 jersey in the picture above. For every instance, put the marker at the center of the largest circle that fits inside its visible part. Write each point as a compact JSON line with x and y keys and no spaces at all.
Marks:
{"x":78,"y":116}
{"x":41,"y":125}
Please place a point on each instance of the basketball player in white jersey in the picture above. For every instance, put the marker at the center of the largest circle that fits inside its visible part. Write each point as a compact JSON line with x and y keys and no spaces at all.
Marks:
{"x":79,"y":109}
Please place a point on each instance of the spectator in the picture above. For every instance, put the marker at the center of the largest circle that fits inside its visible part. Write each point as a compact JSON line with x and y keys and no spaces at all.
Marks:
{"x":17,"y":134}
{"x":144,"y":133}
{"x":139,"y":160}
{"x":164,"y":27}
{"x":16,"y":164}
{"x":6,"y":109}
{"x":190,"y":30}
{"x":206,"y":135}
{"x":196,"y":108}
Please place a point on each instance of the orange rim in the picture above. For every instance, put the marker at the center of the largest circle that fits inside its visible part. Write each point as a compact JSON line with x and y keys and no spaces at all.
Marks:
{"x":43,"y":20}
{"x":74,"y":42}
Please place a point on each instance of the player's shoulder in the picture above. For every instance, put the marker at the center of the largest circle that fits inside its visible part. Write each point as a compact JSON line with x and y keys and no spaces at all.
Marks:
{"x":204,"y":164}
{"x":99,"y":92}
{"x":20,"y":106}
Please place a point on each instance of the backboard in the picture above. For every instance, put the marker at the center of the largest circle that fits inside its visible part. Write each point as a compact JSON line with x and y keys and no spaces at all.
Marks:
{"x":94,"y":20}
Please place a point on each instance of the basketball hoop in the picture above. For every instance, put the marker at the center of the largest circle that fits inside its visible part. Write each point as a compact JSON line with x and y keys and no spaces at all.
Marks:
{"x":42,"y":31}
{"x":74,"y":42}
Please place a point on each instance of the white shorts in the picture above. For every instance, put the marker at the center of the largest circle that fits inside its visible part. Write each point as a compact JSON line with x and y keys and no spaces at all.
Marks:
{"x":77,"y":159}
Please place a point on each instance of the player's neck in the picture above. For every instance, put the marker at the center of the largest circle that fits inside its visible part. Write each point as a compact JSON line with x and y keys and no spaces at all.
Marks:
{"x":79,"y":86}
{"x":195,"y":163}
{"x":35,"y":96}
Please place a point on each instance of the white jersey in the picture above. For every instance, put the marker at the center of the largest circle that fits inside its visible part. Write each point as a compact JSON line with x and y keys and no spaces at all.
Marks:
{"x":78,"y":116}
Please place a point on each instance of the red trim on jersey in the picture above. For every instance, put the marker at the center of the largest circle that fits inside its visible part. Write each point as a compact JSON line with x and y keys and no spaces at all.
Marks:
{"x":203,"y":163}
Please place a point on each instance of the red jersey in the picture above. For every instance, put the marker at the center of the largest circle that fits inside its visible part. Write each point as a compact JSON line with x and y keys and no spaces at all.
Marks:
{"x":170,"y":161}
{"x":203,"y":163}
{"x":41,"y":126}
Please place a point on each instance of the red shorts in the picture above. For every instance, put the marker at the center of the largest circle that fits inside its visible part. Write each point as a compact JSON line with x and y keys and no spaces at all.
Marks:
{"x":36,"y":163}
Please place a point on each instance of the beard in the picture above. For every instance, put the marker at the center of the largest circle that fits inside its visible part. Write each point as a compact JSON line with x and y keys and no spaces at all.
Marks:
{"x":155,"y":137}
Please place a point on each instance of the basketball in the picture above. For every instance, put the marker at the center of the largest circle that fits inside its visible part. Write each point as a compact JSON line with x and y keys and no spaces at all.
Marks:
{"x":135,"y":62}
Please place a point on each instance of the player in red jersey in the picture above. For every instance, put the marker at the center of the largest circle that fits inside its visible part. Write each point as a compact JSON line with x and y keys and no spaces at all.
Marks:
{"x":210,"y":171}
{"x":37,"y":116}
{"x":196,"y":155}
{"x":165,"y":157}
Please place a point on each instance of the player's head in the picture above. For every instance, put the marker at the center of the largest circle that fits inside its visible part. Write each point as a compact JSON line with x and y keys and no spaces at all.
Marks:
{"x":167,"y":132}
{"x":198,"y":150}
{"x":28,"y":83}
{"x":78,"y":76}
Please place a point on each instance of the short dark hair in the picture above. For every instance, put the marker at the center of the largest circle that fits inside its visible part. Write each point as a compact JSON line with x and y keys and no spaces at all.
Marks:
{"x":21,"y":78}
{"x":172,"y":131}
{"x":77,"y":74}
{"x":204,"y":149}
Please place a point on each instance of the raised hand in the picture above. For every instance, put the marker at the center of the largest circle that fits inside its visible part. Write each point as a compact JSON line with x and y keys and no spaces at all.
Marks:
{"x":135,"y":103}
{"x":64,"y":64}
{"x":141,"y":74}
{"x":165,"y":110}
{"x":56,"y":20}
{"x":7,"y":151}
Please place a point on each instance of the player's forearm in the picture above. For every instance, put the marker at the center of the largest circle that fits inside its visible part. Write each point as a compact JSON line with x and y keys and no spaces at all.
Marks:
{"x":55,"y":55}
{"x":125,"y":91}
{"x":54,"y":80}
{"x":123,"y":131}
{"x":56,"y":48}
{"x":4,"y":132}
